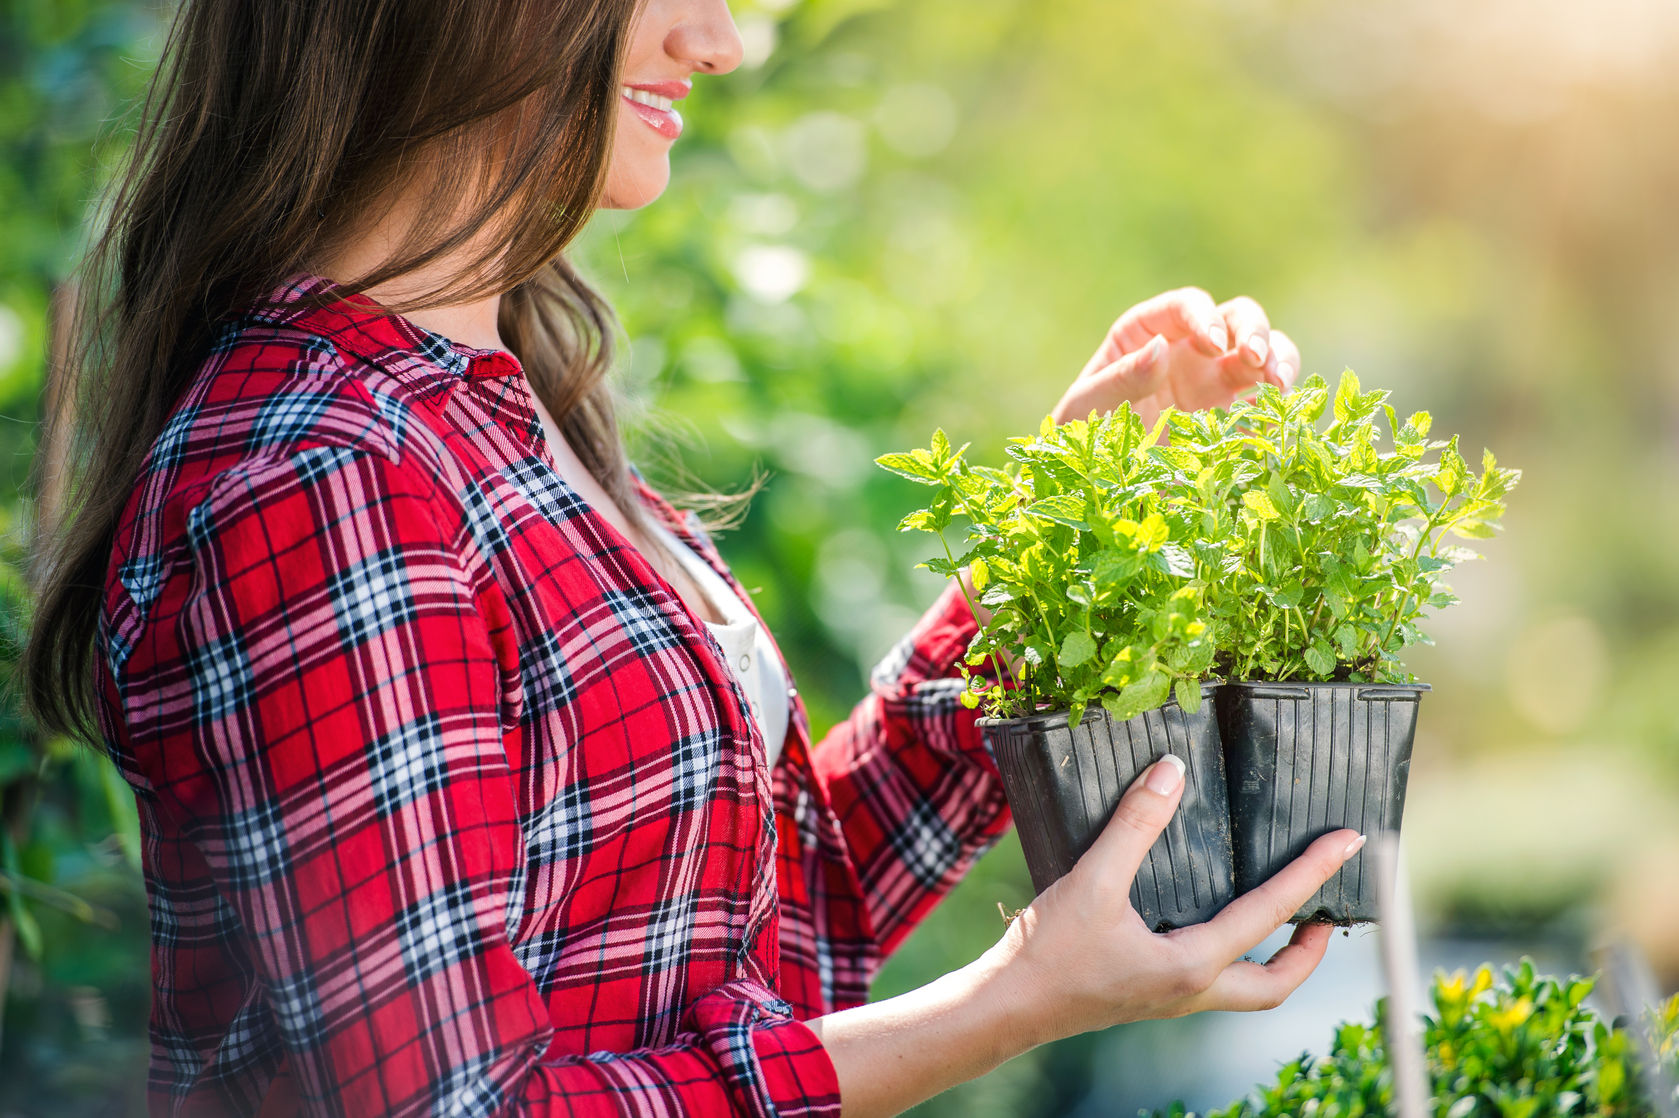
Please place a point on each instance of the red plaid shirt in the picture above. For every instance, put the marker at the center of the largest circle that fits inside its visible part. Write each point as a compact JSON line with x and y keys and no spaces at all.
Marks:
{"x":449,"y":803}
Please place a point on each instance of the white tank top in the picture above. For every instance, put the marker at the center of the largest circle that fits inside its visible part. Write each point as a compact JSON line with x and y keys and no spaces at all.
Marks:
{"x":746,"y":646}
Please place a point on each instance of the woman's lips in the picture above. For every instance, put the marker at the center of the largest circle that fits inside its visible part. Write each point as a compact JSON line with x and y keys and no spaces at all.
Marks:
{"x":666,"y":122}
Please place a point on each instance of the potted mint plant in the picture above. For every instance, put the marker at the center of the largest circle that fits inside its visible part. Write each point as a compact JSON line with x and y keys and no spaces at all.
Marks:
{"x":1329,"y":550}
{"x":1091,"y":579}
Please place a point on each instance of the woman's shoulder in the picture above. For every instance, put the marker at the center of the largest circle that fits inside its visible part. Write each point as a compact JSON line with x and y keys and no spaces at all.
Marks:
{"x":282,"y":382}
{"x":285,"y":374}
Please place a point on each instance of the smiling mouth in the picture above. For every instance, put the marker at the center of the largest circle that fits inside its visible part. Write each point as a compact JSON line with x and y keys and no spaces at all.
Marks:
{"x":642,"y":97}
{"x":657,"y":112}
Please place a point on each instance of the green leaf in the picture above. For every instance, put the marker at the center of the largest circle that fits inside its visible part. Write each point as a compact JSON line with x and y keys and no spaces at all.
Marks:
{"x":1347,"y":637}
{"x":1146,"y":693}
{"x":1077,"y":649}
{"x":1119,"y":708}
{"x":1188,"y":694}
{"x":1259,"y":503}
{"x":920,"y":520}
{"x":1176,"y":561}
{"x":1281,"y":498}
{"x":1320,"y":659}
{"x":1346,"y":396}
{"x":1115,"y":568}
{"x":1063,"y":508}
{"x":1289,"y":596}
{"x":917,"y":465}
{"x":1121,"y":670}
{"x":1152,"y":532}
{"x":1177,"y":458}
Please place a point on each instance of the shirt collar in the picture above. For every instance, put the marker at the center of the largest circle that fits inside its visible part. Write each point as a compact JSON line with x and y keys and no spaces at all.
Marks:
{"x":361,"y":325}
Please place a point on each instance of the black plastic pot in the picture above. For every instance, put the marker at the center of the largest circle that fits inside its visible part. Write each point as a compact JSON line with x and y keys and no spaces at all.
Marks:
{"x":1305,"y":759}
{"x":1063,"y":785}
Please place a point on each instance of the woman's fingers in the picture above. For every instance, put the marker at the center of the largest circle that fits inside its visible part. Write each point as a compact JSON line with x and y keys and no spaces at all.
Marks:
{"x":1181,"y":349}
{"x":1134,"y":377}
{"x":1250,"y":330}
{"x":1250,"y":986}
{"x":1248,"y":919}
{"x":1281,"y":367}
{"x":1285,"y":357}
{"x":1188,"y":312}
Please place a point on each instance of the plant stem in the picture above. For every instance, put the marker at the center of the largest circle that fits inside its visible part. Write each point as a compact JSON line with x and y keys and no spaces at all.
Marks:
{"x":962,"y":586}
{"x":1405,"y":596}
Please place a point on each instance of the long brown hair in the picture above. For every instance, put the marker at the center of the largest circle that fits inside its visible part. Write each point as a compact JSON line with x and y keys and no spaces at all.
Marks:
{"x":269,"y":130}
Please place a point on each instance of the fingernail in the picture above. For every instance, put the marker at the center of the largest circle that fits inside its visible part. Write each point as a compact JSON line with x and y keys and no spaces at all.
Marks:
{"x":1155,"y":351}
{"x":1166,"y":775}
{"x":1353,"y":847}
{"x":1257,"y":350}
{"x":1219,"y":335}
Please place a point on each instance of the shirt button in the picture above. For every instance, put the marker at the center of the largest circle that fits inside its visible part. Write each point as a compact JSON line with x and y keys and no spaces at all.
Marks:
{"x":745,"y":662}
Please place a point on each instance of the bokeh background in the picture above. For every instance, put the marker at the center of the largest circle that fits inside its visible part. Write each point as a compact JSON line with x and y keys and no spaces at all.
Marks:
{"x":902,"y":214}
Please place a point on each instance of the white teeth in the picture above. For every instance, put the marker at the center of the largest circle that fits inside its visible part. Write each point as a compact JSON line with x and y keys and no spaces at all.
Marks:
{"x":651,"y":99}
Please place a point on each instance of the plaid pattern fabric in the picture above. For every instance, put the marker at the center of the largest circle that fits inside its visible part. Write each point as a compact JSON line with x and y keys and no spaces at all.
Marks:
{"x":449,"y":804}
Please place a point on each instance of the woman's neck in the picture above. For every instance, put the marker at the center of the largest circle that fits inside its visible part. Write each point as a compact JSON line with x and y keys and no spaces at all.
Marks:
{"x":470,"y":324}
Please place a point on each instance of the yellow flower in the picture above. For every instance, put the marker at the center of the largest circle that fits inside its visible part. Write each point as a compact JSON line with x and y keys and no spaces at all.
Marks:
{"x":1511,"y":1016}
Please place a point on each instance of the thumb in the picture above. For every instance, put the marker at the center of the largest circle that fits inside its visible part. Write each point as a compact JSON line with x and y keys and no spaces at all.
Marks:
{"x":1142,"y":814}
{"x":1134,"y":377}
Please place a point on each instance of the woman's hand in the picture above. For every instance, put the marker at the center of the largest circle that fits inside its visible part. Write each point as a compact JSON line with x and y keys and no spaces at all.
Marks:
{"x":1089,"y":961}
{"x":1181,"y":350}
{"x":1079,"y":958}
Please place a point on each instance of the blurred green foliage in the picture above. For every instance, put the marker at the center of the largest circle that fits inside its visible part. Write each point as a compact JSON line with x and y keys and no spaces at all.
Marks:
{"x":73,"y":945}
{"x":1525,"y":1046}
{"x":901,"y":215}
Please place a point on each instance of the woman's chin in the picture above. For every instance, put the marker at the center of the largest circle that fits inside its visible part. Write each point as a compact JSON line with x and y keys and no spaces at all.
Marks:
{"x":629,"y":193}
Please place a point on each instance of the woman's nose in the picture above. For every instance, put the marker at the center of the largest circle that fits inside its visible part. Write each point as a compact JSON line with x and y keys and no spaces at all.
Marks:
{"x":705,"y":37}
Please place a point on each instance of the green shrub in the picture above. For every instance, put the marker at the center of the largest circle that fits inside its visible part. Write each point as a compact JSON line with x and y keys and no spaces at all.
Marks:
{"x":1523,"y":1047}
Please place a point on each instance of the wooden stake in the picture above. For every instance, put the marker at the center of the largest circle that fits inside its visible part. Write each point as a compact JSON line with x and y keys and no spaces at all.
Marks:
{"x":1399,"y":963}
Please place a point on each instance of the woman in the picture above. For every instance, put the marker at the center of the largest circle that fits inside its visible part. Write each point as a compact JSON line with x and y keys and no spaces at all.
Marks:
{"x":452,"y":800}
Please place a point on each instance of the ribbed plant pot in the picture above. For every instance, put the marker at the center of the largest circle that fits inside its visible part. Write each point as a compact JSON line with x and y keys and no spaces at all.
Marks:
{"x":1063,"y":784}
{"x":1305,"y":759}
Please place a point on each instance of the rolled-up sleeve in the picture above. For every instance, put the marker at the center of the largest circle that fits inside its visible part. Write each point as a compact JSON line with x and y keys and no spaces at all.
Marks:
{"x":328,"y":720}
{"x":915,"y":790}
